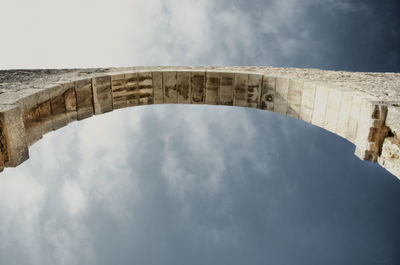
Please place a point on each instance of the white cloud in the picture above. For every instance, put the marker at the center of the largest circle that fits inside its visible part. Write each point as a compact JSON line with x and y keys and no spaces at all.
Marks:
{"x":73,"y":197}
{"x":21,"y":200}
{"x":54,"y":34}
{"x":202,"y":143}
{"x":45,"y":202}
{"x":20,"y":190}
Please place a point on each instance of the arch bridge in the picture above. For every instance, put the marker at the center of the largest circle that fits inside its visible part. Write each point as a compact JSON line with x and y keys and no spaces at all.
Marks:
{"x":363,"y":108}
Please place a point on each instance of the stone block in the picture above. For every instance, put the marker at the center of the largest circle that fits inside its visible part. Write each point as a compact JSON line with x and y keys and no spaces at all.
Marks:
{"x":45,"y":117}
{"x":371,"y":131}
{"x":58,"y":104}
{"x":268,"y":93}
{"x":118,"y":90}
{"x":169,"y":88}
{"x":59,"y":96}
{"x":254,"y":87}
{"x":320,"y":103}
{"x":198,"y":87}
{"x":33,"y":135}
{"x":84,"y":98}
{"x":102,"y":95}
{"x":393,"y":119}
{"x":70,"y":97}
{"x":45,"y":110}
{"x":294,"y":98}
{"x":364,"y":123}
{"x":344,"y":114}
{"x":55,"y":90}
{"x":14,"y":147}
{"x":46,"y":125}
{"x":131,"y":88}
{"x":13,"y":97}
{"x":34,"y":108}
{"x":390,"y":156}
{"x":61,"y":120}
{"x":158,"y":88}
{"x":352,"y":124}
{"x":183,"y":83}
{"x":70,"y":102}
{"x":226,"y":89}
{"x":31,"y":117}
{"x":307,"y":102}
{"x":281,"y":95}
{"x":145,"y":88}
{"x":212,"y":88}
{"x":332,"y":109}
{"x":30,"y":98}
{"x":240,"y":90}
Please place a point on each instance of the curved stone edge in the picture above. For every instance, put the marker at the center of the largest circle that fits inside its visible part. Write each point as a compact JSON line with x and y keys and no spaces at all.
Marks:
{"x":364,"y":119}
{"x":390,"y":155}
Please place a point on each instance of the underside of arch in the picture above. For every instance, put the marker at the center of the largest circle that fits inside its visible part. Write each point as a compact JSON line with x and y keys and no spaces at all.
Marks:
{"x":363,"y":116}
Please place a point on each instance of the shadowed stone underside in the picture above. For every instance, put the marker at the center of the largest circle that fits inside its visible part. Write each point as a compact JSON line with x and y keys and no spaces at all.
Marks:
{"x":363,"y":108}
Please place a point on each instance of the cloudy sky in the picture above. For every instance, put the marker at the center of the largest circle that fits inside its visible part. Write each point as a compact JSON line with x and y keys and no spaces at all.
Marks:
{"x":195,"y":184}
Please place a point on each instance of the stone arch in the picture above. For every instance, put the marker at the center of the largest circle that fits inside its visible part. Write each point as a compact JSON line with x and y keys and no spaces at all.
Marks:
{"x":35,"y":102}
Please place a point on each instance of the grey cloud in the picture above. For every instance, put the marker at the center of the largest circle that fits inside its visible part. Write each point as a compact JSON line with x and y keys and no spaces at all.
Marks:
{"x":345,"y":35}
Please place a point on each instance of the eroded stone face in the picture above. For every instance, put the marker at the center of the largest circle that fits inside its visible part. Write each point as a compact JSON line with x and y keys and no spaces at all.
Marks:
{"x":13,"y":136}
{"x":102,"y":95}
{"x":355,"y":106}
{"x":390,"y":157}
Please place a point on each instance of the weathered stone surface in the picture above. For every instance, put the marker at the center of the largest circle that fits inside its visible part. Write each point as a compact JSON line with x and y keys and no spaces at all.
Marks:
{"x":57,"y":104}
{"x":84,"y":98}
{"x":320,"y":102}
{"x":371,"y":131}
{"x":33,"y":135}
{"x":45,"y":117}
{"x":169,"y":88}
{"x":364,"y":108}
{"x":158,"y":88}
{"x":183,"y":82}
{"x":390,"y":158}
{"x":344,"y":114}
{"x":145,"y":88}
{"x":124,"y":90}
{"x":70,"y":97}
{"x":102,"y":97}
{"x":294,"y":98}
{"x":240,"y":92}
{"x":131,"y":88}
{"x":393,"y":119}
{"x":226,"y":89}
{"x":332,"y":109}
{"x":60,"y":120}
{"x":268,"y":93}
{"x":307,"y":102}
{"x":352,"y":125}
{"x":254,"y":87}
{"x":281,"y":95}
{"x":212,"y":87}
{"x":198,"y":88}
{"x":118,"y":91}
{"x":12,"y":137}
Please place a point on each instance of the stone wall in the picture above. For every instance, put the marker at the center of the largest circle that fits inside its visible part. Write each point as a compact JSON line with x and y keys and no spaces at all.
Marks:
{"x":364,"y":108}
